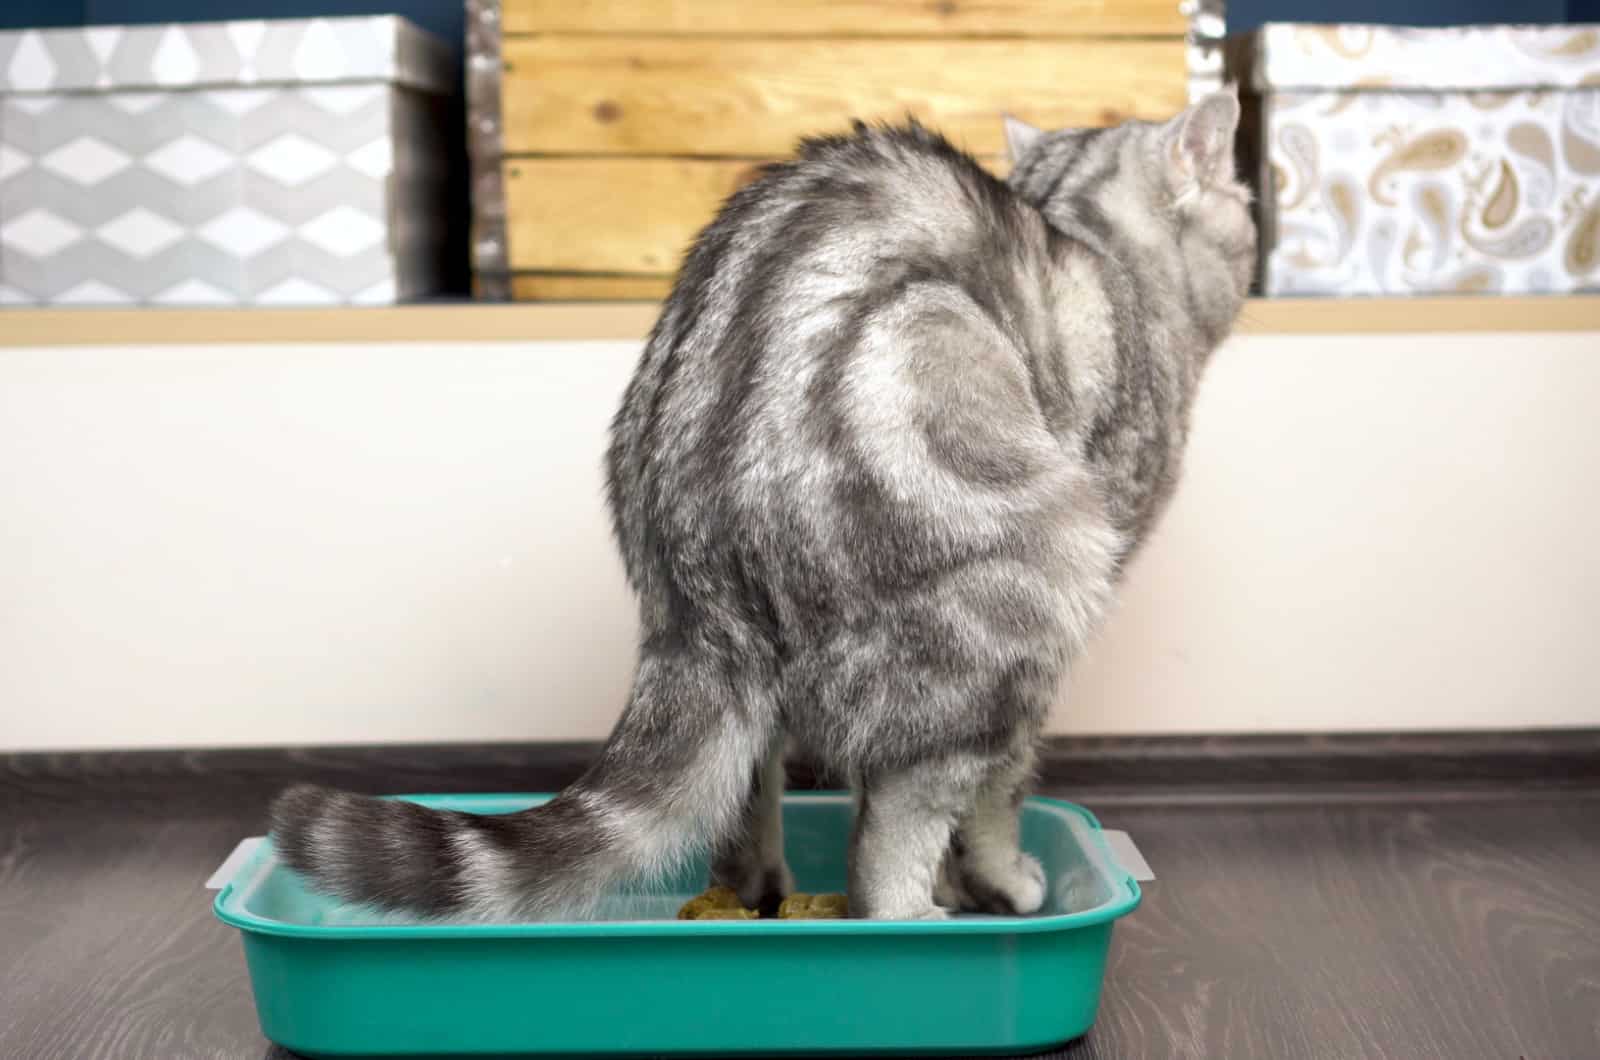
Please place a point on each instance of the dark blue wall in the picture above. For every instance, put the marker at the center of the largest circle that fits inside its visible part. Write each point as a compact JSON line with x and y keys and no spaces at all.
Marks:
{"x":444,"y":17}
{"x":1247,"y":14}
{"x":21,"y":14}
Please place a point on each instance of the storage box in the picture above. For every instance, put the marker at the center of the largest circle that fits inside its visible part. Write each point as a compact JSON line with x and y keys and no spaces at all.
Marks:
{"x":261,"y":162}
{"x":1398,"y":161}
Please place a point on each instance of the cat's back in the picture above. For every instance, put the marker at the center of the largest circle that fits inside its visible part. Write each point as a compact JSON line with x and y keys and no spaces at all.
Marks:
{"x":850,"y":220}
{"x":836,"y":342}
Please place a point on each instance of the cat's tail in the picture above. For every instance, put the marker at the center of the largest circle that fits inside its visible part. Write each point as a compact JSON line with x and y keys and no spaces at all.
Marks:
{"x":673,"y":777}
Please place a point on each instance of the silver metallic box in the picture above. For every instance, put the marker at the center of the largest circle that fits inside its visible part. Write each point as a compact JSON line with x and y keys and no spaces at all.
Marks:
{"x":279,"y":162}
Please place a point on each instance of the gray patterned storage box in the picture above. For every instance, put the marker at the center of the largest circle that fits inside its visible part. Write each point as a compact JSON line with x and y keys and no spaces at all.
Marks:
{"x":294,"y":162}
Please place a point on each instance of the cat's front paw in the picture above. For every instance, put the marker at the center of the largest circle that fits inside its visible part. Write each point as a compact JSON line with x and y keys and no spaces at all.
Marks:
{"x":919,"y":912}
{"x":1005,"y":886}
{"x":933,"y":912}
{"x":1031,"y":886}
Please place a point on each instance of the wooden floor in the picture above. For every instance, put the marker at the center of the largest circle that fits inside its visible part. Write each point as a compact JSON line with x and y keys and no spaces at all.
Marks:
{"x":1445,"y":920}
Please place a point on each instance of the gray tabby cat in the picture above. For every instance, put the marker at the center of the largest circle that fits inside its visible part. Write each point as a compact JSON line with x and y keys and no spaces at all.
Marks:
{"x":898,"y":429}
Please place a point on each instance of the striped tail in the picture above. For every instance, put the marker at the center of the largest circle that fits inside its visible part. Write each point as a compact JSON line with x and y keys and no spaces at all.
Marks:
{"x":673,"y":778}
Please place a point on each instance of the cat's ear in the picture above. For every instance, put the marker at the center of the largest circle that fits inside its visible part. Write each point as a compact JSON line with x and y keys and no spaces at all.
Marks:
{"x":1199,"y":142}
{"x":1019,"y":137}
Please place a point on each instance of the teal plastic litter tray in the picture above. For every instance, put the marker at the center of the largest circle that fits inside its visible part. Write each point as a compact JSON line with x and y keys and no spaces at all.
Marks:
{"x":337,"y":980}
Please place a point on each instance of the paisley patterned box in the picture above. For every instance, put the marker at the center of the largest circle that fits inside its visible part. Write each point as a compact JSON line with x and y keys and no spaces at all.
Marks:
{"x":277,"y":162}
{"x":1398,"y":161}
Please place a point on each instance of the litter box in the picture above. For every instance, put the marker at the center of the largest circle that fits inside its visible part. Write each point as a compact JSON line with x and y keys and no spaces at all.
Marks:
{"x":337,"y":980}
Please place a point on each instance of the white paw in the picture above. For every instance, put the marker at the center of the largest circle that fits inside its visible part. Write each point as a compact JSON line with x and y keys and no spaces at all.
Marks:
{"x":897,"y":904}
{"x":1010,"y":885}
{"x":1027,"y":886}
{"x":932,"y":912}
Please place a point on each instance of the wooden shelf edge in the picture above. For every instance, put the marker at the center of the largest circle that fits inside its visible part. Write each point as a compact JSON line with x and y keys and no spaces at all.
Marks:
{"x":631,"y":321}
{"x":458,"y":322}
{"x":1441,"y":314}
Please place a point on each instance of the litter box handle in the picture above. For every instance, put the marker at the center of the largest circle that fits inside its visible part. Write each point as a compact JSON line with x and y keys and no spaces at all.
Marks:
{"x":230,"y":865}
{"x":1126,"y":855}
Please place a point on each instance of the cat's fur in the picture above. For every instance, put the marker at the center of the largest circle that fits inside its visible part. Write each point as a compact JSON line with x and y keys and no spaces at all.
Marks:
{"x":887,"y":449}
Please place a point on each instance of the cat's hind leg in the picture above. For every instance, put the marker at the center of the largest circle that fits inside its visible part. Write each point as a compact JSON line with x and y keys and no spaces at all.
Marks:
{"x":751,"y":859}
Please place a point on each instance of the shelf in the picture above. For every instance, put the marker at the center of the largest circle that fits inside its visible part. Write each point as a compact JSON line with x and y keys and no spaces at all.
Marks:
{"x":631,"y":321}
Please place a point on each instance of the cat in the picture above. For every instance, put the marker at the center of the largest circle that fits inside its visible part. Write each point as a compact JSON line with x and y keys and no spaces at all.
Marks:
{"x":884,"y":457}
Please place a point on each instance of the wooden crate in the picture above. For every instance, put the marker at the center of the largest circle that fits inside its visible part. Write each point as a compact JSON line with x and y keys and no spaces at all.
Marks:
{"x":619,"y":126}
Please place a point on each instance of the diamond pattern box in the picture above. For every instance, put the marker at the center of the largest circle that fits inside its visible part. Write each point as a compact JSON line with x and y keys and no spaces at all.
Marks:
{"x":1411,"y":161}
{"x":292,"y":162}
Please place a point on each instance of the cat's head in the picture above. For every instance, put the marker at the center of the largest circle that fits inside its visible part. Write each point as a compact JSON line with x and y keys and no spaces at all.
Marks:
{"x":1168,"y":187}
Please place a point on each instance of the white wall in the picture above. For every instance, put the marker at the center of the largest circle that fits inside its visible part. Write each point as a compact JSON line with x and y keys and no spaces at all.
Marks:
{"x":258,"y":544}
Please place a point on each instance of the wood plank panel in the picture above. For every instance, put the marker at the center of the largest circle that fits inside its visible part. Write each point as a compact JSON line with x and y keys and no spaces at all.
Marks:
{"x":849,"y":18}
{"x":630,"y":215}
{"x":577,"y":287}
{"x":750,"y":98}
{"x":627,"y":216}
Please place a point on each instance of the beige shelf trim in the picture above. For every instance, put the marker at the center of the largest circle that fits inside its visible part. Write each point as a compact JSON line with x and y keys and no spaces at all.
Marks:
{"x":632,"y":320}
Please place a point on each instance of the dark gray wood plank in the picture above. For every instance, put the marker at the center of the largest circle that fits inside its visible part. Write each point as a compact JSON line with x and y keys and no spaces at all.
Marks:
{"x":1402,"y":928}
{"x":1453,"y":922}
{"x":107,"y":944}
